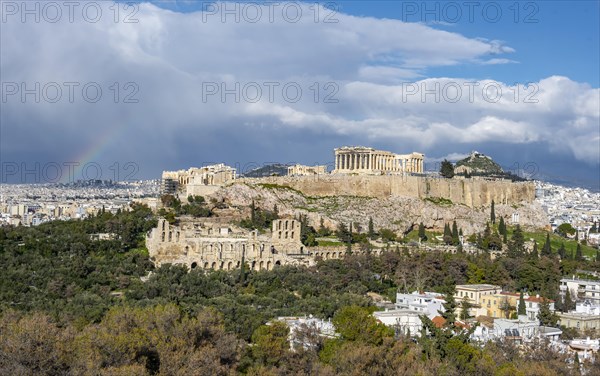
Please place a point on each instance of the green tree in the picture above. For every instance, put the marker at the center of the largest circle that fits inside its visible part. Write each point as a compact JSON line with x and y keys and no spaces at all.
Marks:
{"x":493,"y":214}
{"x":355,"y":323}
{"x":517,"y":242}
{"x":270,"y":343}
{"x":565,"y":230}
{"x":522,"y":309}
{"x":545,"y":315}
{"x":343,"y":234}
{"x":465,"y":306}
{"x":562,"y":252}
{"x":547,"y":248}
{"x":449,"y":313}
{"x":447,"y":234}
{"x":387,"y":235}
{"x":422,"y":234}
{"x":578,"y":253}
{"x":447,"y":169}
{"x":569,"y":303}
{"x":502,"y":226}
{"x":371,"y":230}
{"x":455,"y":238}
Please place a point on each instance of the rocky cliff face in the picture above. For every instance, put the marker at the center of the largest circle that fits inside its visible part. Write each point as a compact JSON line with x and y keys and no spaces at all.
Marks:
{"x":397,"y":213}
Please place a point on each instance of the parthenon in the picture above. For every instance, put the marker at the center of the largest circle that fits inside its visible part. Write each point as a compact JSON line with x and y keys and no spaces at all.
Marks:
{"x":365,"y":160}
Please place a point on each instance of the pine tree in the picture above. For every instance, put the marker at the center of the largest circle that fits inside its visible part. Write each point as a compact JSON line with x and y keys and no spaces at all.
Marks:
{"x":502,"y":226}
{"x":517,"y":241}
{"x":253,"y":213}
{"x":455,"y":239}
{"x":578,"y":253}
{"x":242,"y":278}
{"x":562,"y":252}
{"x":465,"y":306}
{"x":493,"y":214}
{"x":371,"y":228}
{"x":447,"y":234}
{"x":545,"y":315}
{"x":422,"y":235}
{"x":547,"y":249}
{"x":447,"y":169}
{"x":449,"y":313}
{"x":522,"y":309}
{"x":569,"y":304}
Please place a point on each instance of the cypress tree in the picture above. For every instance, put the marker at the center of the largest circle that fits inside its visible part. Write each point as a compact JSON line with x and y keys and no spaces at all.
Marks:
{"x":547,"y":249}
{"x":422,"y":235}
{"x":562,"y":252}
{"x":569,"y":305}
{"x":522,"y":309}
{"x":371,"y":228}
{"x":447,"y":234}
{"x":493,"y":214}
{"x":578,"y":253}
{"x":449,"y":313}
{"x":502,"y":226}
{"x":455,"y":239}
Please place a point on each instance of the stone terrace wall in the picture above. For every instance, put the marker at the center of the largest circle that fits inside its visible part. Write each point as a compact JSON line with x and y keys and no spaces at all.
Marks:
{"x":474,"y":192}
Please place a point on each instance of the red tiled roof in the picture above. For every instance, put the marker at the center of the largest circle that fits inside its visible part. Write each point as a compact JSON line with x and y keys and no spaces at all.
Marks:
{"x":438,"y":321}
{"x":538,"y":300}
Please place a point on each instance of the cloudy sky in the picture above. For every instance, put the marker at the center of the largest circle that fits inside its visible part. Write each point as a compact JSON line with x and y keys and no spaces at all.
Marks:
{"x":134,"y":89}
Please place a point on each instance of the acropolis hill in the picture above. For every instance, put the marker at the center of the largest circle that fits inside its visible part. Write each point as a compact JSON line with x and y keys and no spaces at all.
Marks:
{"x":392,"y":189}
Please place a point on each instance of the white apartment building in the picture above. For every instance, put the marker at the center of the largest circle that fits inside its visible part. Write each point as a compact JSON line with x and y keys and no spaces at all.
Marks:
{"x":581,"y":289}
{"x":426,"y":303}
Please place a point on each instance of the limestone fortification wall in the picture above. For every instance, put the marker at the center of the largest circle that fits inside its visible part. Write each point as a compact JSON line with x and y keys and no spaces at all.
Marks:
{"x":474,"y":192}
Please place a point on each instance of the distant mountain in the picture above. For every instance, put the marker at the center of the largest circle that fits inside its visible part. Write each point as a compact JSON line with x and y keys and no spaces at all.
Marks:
{"x":478,"y":164}
{"x":268,"y":170}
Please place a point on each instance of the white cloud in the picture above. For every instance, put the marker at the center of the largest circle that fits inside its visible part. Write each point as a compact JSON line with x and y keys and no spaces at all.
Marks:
{"x":171,"y":55}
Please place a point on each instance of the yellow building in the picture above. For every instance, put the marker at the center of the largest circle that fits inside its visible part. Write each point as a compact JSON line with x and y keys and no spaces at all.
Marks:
{"x":501,"y":305}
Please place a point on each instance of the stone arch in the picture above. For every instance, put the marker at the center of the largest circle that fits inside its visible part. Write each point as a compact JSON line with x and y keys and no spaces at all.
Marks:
{"x":253,"y":267}
{"x":163,"y":224}
{"x":269,"y":265}
{"x":261,"y":265}
{"x":162,"y":237}
{"x":326,"y":256}
{"x":278,"y":263}
{"x":186,"y":250}
{"x":170,"y":235}
{"x":206,"y":265}
{"x":229,"y":265}
{"x":222,"y":265}
{"x":194,"y":265}
{"x":286,"y":224}
{"x":213,"y":266}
